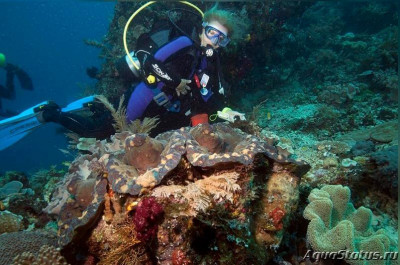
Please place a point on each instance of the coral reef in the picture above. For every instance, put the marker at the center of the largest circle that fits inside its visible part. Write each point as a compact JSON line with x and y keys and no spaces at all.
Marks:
{"x":27,"y":197}
{"x":47,"y":255}
{"x":362,"y":148}
{"x":385,"y":133}
{"x":210,"y":177}
{"x":12,"y":187}
{"x":146,"y":218}
{"x":13,"y":244}
{"x":116,"y":244}
{"x":119,"y":116}
{"x":383,"y":169}
{"x":321,"y":75}
{"x":14,"y":176}
{"x":336,"y":225}
{"x":10,"y":222}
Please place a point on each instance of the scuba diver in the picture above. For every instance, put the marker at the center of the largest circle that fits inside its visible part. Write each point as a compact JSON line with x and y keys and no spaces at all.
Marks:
{"x":182,"y":81}
{"x":178,"y":68}
{"x":8,"y":90}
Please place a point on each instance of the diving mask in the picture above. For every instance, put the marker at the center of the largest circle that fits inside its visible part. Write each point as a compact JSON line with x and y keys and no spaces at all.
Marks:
{"x":216,"y":36}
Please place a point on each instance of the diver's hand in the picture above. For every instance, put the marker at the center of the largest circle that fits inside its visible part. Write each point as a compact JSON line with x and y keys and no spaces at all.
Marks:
{"x":183,"y":88}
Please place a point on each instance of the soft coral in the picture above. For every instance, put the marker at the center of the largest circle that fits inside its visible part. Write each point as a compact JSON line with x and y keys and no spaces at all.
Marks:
{"x":146,"y":218}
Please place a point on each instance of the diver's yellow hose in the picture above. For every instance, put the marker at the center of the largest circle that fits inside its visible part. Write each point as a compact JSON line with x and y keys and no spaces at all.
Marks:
{"x":126,"y":30}
{"x":192,"y":5}
{"x":135,"y":13}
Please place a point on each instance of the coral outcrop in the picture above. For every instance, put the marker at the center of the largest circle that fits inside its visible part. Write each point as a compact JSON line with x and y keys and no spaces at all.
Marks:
{"x":10,"y":222}
{"x":13,"y":244}
{"x":47,"y":255}
{"x":382,"y":168}
{"x":186,"y":193}
{"x":12,"y":187}
{"x":335,"y":225}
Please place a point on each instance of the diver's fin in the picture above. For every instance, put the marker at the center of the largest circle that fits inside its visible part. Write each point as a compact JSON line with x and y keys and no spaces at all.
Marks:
{"x":15,"y":128}
{"x":78,"y":104}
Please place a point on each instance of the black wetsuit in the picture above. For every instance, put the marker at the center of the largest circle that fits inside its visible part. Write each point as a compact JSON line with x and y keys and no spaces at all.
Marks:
{"x":182,"y":64}
{"x":189,"y":62}
{"x":8,"y":90}
{"x":93,"y":122}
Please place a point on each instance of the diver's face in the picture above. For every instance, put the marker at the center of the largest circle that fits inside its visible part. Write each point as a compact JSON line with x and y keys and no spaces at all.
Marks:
{"x":212,"y":32}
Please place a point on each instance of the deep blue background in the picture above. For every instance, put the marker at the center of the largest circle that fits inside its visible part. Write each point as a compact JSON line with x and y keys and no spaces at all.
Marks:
{"x":45,"y":38}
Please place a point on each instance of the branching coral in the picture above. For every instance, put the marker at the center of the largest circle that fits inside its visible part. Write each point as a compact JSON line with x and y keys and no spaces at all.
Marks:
{"x":119,"y":116}
{"x":73,"y":140}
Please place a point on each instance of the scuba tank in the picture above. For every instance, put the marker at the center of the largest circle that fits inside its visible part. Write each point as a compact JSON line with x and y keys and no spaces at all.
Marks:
{"x":126,"y":69}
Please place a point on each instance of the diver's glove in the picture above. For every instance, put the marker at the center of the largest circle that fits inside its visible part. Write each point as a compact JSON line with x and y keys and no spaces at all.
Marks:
{"x":183,"y":88}
{"x":230,"y":115}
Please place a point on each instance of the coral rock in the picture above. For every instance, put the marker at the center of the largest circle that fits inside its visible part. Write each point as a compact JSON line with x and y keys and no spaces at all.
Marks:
{"x":280,"y":198}
{"x":13,"y":244}
{"x":48,"y":255}
{"x":385,"y":133}
{"x":10,"y":222}
{"x":199,"y":179}
{"x":11,"y":187}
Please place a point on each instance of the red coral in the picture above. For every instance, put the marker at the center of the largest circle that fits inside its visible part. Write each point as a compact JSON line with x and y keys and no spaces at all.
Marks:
{"x":277,"y":215}
{"x":179,"y":258}
{"x":147,"y":217}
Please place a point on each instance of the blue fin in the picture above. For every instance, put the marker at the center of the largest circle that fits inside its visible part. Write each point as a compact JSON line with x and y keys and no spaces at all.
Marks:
{"x":15,"y":128}
{"x":78,"y":104}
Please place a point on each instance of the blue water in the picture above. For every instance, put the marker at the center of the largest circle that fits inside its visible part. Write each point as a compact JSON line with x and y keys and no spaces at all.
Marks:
{"x":45,"y":38}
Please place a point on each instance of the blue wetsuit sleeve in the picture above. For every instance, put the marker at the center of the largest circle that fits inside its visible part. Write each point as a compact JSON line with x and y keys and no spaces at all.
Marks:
{"x":155,"y":64}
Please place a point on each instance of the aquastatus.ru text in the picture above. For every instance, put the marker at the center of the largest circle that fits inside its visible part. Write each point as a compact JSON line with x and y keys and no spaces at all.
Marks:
{"x":350,"y":255}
